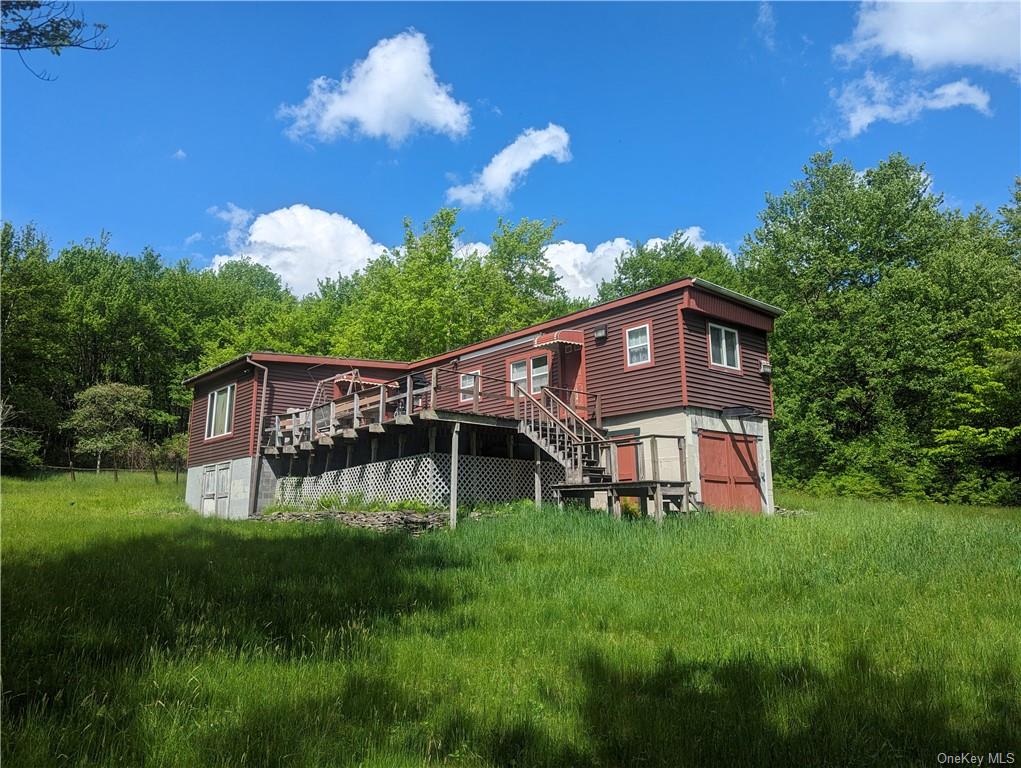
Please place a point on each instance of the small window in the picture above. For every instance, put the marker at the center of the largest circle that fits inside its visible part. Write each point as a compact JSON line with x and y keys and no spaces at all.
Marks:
{"x":220,"y":412}
{"x":518,"y":375}
{"x":467,"y":387}
{"x":639,"y":350}
{"x":540,"y":373}
{"x":724,"y":349}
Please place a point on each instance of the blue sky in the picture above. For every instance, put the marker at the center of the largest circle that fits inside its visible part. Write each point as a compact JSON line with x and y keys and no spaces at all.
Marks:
{"x":199,"y":136}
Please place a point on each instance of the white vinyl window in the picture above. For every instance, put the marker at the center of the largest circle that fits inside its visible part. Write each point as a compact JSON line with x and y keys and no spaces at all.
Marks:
{"x":220,"y":412}
{"x":724,"y":349}
{"x":540,"y":373}
{"x":467,"y":387}
{"x":639,"y":349}
{"x":518,"y":375}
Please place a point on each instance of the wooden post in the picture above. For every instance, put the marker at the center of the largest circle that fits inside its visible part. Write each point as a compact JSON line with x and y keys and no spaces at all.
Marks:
{"x":356,"y":413}
{"x":657,"y":504}
{"x":475,"y":394}
{"x":409,"y":403}
{"x":538,"y":477}
{"x":455,"y":439}
{"x":474,"y":441}
{"x":374,"y":448}
{"x":432,"y":390}
{"x":432,"y":439}
{"x":70,"y":463}
{"x":655,"y":458}
{"x":382,"y":403}
{"x":401,"y":440}
{"x":599,"y":412}
{"x":613,"y":502}
{"x":683,"y":454}
{"x":510,"y":446}
{"x":326,"y":464}
{"x":347,"y":455}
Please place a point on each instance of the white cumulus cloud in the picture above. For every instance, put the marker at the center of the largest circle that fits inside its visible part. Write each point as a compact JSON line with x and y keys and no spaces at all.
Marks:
{"x":581,"y":269}
{"x":180,"y":154}
{"x":301,"y":244}
{"x":392,"y":93}
{"x":932,"y":35}
{"x":509,"y":166}
{"x":874,"y":97}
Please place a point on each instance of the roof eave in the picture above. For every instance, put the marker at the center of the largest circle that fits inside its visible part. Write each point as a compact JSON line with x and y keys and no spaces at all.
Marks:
{"x":740,"y":298}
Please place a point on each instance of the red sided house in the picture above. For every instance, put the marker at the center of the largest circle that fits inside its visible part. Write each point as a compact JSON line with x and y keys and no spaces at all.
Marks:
{"x":661,"y":399}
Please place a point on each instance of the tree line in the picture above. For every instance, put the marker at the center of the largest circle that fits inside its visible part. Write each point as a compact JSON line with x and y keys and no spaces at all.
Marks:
{"x":897,"y":366}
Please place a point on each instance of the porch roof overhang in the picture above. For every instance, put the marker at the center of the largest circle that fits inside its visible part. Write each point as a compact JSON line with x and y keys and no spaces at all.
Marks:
{"x":573,"y":337}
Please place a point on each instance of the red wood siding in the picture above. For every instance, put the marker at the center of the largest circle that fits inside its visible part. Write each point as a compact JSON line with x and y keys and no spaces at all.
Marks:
{"x":494,"y":394}
{"x":625,"y":390}
{"x":716,"y":388}
{"x":292,"y":385}
{"x":239,"y":442}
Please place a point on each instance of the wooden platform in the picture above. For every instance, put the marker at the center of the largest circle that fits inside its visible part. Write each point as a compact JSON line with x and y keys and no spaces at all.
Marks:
{"x":661,"y":492}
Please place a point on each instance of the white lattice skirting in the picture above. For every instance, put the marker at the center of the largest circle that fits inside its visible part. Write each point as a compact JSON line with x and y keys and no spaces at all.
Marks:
{"x":425,"y":478}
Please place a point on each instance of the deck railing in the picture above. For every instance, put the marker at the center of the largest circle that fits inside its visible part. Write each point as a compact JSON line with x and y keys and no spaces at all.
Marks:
{"x":395,"y":400}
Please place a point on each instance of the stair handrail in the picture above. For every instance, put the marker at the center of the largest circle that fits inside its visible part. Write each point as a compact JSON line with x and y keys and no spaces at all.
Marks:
{"x":599,"y":437}
{"x":546,"y":411}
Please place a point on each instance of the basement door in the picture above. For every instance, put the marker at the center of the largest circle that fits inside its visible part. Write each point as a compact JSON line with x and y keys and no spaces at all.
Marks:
{"x":215,"y":490}
{"x":730,"y":471}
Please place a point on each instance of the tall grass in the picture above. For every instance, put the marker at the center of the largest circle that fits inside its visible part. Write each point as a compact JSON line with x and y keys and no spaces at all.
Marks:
{"x":137,"y":633}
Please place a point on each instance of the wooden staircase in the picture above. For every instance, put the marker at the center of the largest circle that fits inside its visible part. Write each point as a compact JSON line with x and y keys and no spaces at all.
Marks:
{"x":587,"y":454}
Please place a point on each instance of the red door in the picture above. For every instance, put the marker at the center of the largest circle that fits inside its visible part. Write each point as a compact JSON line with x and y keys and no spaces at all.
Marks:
{"x":730,"y":472}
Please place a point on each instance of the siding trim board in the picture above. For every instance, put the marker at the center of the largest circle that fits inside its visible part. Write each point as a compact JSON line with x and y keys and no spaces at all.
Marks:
{"x":684,"y":356}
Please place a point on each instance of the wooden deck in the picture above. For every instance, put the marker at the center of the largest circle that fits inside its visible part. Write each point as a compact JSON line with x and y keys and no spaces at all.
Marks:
{"x":552,"y":422}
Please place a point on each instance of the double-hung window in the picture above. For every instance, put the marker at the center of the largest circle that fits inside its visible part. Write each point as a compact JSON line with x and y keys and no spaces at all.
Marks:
{"x":639,"y":345}
{"x":519,"y":376}
{"x":540,"y":373}
{"x":220,"y":412}
{"x":530,"y":375}
{"x":467,"y":388}
{"x":724,"y":349}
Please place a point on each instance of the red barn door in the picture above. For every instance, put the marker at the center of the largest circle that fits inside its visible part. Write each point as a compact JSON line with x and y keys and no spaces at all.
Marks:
{"x":730,"y":471}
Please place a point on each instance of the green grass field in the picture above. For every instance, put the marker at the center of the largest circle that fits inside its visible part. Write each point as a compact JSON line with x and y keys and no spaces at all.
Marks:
{"x":859,"y":634}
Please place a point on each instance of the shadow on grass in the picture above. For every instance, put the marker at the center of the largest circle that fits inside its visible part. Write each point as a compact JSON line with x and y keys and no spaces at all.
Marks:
{"x":73,"y":623}
{"x":745,"y":712}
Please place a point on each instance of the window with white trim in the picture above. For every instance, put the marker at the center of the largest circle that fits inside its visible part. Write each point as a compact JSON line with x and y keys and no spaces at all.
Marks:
{"x":467,"y":387}
{"x":724,"y":349}
{"x":220,"y":412}
{"x":518,"y":375}
{"x":639,"y":348}
{"x":540,"y":373}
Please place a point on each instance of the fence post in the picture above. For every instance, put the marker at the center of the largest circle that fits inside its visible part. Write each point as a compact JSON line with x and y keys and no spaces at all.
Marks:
{"x":655,"y":458}
{"x":455,"y":439}
{"x":538,"y":477}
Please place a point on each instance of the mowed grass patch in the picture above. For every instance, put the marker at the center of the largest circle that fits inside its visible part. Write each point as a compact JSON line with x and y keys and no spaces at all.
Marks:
{"x":860,"y":633}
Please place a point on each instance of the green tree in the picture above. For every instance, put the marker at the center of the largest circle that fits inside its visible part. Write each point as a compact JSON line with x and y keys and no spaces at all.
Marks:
{"x":647,"y":266}
{"x":107,"y":420}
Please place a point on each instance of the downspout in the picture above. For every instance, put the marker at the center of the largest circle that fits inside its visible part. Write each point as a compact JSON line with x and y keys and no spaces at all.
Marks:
{"x":253,"y":495}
